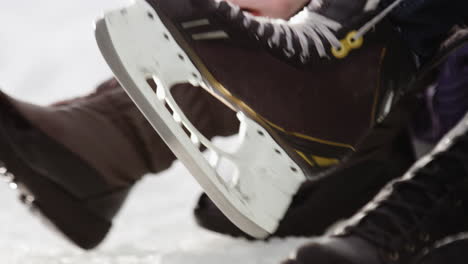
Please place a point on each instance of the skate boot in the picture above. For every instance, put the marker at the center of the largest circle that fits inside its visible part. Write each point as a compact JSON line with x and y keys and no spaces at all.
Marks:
{"x":357,"y":183}
{"x":409,"y":217}
{"x":307,"y":91}
{"x":451,"y":250}
{"x":75,"y":162}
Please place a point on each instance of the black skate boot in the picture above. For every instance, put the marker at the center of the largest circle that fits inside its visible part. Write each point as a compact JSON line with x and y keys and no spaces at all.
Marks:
{"x":451,"y":250}
{"x":308,"y":90}
{"x":409,"y":217}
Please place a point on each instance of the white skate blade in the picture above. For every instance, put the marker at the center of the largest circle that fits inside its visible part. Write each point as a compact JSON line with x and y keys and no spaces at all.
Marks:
{"x":138,"y":46}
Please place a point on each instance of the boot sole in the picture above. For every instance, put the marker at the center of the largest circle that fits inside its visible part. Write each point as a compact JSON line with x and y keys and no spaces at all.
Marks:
{"x":57,"y":207}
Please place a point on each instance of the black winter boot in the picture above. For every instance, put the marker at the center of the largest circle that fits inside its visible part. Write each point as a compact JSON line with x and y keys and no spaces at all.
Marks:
{"x":453,"y":250}
{"x":409,"y":217}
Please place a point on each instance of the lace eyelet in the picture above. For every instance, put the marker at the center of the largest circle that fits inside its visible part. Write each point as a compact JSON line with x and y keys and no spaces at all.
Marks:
{"x":393,"y":256}
{"x":352,"y":41}
{"x":340,"y":52}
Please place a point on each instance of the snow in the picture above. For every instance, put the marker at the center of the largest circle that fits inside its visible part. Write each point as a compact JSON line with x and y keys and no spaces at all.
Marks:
{"x":48,"y":53}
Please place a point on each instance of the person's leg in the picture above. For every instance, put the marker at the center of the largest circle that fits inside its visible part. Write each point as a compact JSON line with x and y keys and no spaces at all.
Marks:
{"x":109,"y":114}
{"x":409,"y":217}
{"x":425,"y":24}
{"x":445,"y":102}
{"x":451,"y":250}
{"x":77,"y":160}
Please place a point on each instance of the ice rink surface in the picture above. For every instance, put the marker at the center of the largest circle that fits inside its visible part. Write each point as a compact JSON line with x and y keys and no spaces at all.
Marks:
{"x":47,"y":53}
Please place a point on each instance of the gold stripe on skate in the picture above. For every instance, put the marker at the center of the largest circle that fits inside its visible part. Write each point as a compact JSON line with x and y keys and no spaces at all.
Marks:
{"x":299,"y":135}
{"x":317,"y":161}
{"x":325,"y":162}
{"x":304,"y":157}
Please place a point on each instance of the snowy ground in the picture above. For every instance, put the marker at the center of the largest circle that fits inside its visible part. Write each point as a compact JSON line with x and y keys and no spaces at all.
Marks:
{"x":47,"y":52}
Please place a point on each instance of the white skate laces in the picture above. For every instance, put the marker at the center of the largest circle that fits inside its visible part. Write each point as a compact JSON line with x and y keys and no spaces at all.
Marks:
{"x":310,"y":29}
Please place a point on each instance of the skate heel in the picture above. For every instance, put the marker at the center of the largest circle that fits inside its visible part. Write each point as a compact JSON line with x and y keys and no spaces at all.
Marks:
{"x":61,"y":211}
{"x":139,"y":45}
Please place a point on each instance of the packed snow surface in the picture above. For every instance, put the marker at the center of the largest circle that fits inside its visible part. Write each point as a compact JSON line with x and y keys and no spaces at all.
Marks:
{"x":47,"y":53}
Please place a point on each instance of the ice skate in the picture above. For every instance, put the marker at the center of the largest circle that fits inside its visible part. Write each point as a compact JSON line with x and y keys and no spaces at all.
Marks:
{"x":409,"y":217}
{"x":305,"y":67}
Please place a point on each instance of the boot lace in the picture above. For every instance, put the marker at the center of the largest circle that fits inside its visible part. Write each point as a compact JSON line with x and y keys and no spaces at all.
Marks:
{"x":306,"y":31}
{"x":405,"y":205}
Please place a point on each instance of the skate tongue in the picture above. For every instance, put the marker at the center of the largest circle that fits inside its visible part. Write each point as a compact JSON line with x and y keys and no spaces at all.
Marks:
{"x":206,"y":4}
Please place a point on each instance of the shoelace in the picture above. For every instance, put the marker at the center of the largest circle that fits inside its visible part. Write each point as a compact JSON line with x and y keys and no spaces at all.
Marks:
{"x":306,"y":26}
{"x":393,"y":216}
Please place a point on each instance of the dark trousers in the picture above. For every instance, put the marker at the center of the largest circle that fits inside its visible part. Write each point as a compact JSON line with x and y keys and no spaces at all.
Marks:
{"x":425,"y":23}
